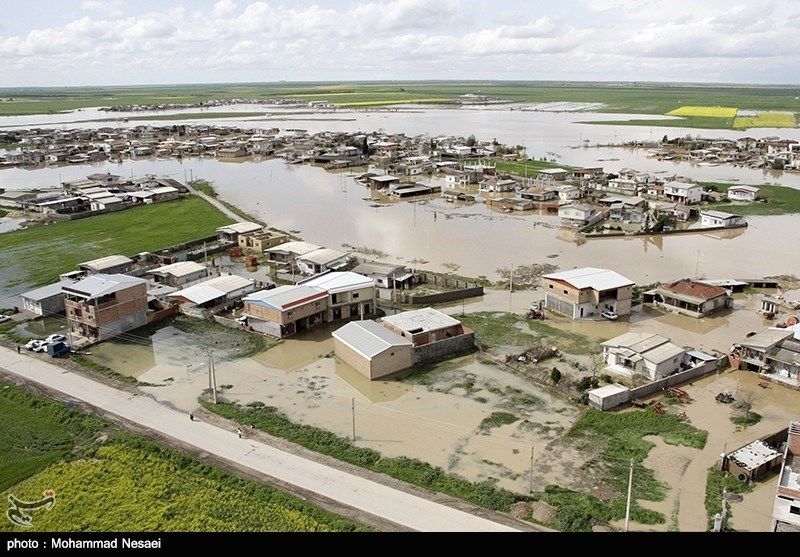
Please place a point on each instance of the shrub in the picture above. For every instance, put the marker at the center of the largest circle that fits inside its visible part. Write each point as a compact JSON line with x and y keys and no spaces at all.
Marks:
{"x":555,"y":375}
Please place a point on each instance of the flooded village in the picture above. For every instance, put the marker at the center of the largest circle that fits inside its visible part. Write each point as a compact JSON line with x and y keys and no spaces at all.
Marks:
{"x":531,"y":327}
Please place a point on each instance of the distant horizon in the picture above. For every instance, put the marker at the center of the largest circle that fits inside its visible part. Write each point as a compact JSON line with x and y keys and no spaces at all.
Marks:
{"x":408,"y":81}
{"x":105,"y":43}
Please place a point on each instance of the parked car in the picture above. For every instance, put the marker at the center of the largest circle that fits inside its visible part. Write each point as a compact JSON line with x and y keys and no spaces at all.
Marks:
{"x":55,"y":338}
{"x":610,"y":315}
{"x":4,"y":318}
{"x":36,"y":345}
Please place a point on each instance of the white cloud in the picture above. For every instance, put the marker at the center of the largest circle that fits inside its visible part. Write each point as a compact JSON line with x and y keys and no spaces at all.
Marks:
{"x":223,"y":8}
{"x":110,"y":8}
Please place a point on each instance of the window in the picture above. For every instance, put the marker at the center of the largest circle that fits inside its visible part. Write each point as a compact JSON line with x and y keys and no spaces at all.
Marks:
{"x":355,"y":295}
{"x":391,"y":353}
{"x":289,"y":314}
{"x":551,"y":286}
{"x":794,"y":510}
{"x":565,"y":292}
{"x":317,"y":304}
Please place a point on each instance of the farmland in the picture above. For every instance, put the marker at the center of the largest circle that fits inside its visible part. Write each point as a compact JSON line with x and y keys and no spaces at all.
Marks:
{"x":625,"y":98}
{"x":777,"y":200}
{"x":37,"y":255}
{"x":766,"y":120}
{"x":105,"y":479}
{"x":704,"y":111}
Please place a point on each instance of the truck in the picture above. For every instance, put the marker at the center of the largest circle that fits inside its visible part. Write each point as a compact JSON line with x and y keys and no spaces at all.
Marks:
{"x":58,"y":348}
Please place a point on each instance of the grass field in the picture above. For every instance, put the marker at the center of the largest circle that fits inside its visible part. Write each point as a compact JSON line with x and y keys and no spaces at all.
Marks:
{"x":700,"y":122}
{"x":108,"y":480}
{"x":36,"y":256}
{"x":198,"y":116}
{"x":705,"y":111}
{"x":766,"y":120}
{"x":622,"y":437}
{"x":716,"y":481}
{"x":779,"y":200}
{"x":506,"y":329}
{"x":631,"y":98}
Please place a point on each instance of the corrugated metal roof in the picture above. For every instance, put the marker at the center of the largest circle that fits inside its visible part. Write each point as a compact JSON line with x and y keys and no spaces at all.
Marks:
{"x":212,"y":289}
{"x":48,"y":291}
{"x":98,"y":285}
{"x":340,"y":281}
{"x":591,"y":277}
{"x":240,"y":228}
{"x":427,"y":319}
{"x":179,"y":269}
{"x":287,"y":296}
{"x":323,"y":256}
{"x":106,"y":262}
{"x":377,"y":268}
{"x":295,"y":248}
{"x":369,"y":338}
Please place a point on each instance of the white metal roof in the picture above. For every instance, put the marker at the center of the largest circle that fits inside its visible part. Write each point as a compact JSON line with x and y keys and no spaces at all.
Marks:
{"x":369,"y":338}
{"x":44,"y":292}
{"x":164,"y":189}
{"x":649,"y":346}
{"x":426,"y":319}
{"x":239,"y":228}
{"x":295,"y":248}
{"x":286,"y":296}
{"x":106,"y":262}
{"x":323,"y":255}
{"x":179,"y":269}
{"x":214,"y":288}
{"x":590,"y":277}
{"x":340,"y":281}
{"x":751,"y":189}
{"x":98,"y":285}
{"x":608,"y":390}
{"x":553,"y":171}
{"x":384,"y":178}
{"x":754,"y":455}
{"x":681,"y":185}
{"x":718,"y":214}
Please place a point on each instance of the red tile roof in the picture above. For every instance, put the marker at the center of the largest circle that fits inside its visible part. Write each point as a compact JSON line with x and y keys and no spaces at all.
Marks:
{"x":688,"y":287}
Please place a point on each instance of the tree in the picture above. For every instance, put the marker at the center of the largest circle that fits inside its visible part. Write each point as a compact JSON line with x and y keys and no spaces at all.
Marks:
{"x":746,"y":401}
{"x":555,"y":375}
{"x":665,"y":139}
{"x":364,"y":147}
{"x":471,"y":141}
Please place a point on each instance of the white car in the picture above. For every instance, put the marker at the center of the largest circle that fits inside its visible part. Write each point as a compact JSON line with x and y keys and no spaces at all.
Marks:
{"x":36,"y":345}
{"x":4,"y":318}
{"x":610,"y":315}
{"x":55,"y":338}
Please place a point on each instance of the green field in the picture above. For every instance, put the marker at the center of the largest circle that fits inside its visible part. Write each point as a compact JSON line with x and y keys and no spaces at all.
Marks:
{"x":37,"y":255}
{"x":631,"y":98}
{"x":700,"y":122}
{"x":108,"y":480}
{"x":766,"y":120}
{"x":773,"y":200}
{"x":525,"y":168}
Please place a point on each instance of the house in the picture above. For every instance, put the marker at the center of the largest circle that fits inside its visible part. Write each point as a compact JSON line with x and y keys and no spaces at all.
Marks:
{"x":742,"y":193}
{"x":786,"y":509}
{"x":59,"y":205}
{"x":753,"y":461}
{"x":511,"y":204}
{"x":773,"y":352}
{"x":497,"y":184}
{"x":382,"y":181}
{"x":538,"y":194}
{"x":107,"y":203}
{"x":349,"y":294}
{"x":645,"y":354}
{"x":261,"y":241}
{"x":685,"y":193}
{"x":588,"y":173}
{"x":179,"y":274}
{"x":579,"y":214}
{"x":720,"y":219}
{"x":106,"y":179}
{"x":215,"y":291}
{"x":386,"y":275}
{"x":568,"y":193}
{"x":288,"y":252}
{"x":47,"y":300}
{"x":230,"y":232}
{"x":102,"y":306}
{"x":621,"y":186}
{"x":371,"y":349}
{"x":689,"y":297}
{"x":284,"y":310}
{"x":553,"y":174}
{"x":322,"y":259}
{"x":587,"y":291}
{"x":109,"y":264}
{"x":235,"y":152}
{"x":433,"y":334}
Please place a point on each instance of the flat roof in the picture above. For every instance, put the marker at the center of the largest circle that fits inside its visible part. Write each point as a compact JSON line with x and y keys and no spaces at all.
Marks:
{"x":179,"y":269}
{"x":214,"y":288}
{"x":106,"y":262}
{"x":95,"y":286}
{"x":384,"y":178}
{"x":340,"y":281}
{"x":591,"y":277}
{"x":754,"y":455}
{"x":553,"y":171}
{"x":608,"y":390}
{"x":369,"y":338}
{"x":767,"y":338}
{"x":295,"y":248}
{"x":322,"y":256}
{"x":44,"y":292}
{"x":718,"y":214}
{"x":421,"y":320}
{"x":679,"y":184}
{"x":240,"y":228}
{"x":287,"y":296}
{"x":377,"y":268}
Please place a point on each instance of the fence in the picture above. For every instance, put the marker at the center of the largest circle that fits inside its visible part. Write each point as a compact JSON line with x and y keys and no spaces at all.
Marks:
{"x":443,"y":348}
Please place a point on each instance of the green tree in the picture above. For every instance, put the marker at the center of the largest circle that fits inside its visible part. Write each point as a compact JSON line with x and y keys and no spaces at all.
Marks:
{"x":555,"y":375}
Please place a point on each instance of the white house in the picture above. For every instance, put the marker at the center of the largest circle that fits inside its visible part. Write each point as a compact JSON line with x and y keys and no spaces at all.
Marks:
{"x":568,"y":193}
{"x":322,"y":259}
{"x":683,"y":192}
{"x":720,"y":219}
{"x":742,"y":193}
{"x":646,"y":354}
{"x":579,"y":214}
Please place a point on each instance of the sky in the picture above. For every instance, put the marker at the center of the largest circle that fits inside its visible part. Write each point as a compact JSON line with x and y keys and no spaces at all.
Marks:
{"x":119,"y":42}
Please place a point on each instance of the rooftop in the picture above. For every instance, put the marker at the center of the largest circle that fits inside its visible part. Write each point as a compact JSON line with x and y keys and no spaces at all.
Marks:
{"x":754,"y":455}
{"x":240,"y":228}
{"x":767,"y":338}
{"x":718,"y":214}
{"x":692,"y":289}
{"x":106,"y":262}
{"x":340,"y":281}
{"x":95,"y":286}
{"x":377,"y":268}
{"x":287,"y":296}
{"x":420,"y":320}
{"x":295,"y":248}
{"x":369,"y":338}
{"x":214,"y":288}
{"x":322,"y":256}
{"x":48,"y":291}
{"x":590,"y":277}
{"x":179,"y":269}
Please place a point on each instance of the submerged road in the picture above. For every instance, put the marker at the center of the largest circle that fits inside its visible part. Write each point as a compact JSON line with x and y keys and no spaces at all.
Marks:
{"x":393,"y":505}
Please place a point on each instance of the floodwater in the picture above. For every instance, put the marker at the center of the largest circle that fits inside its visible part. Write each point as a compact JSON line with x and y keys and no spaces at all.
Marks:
{"x":436,"y":420}
{"x":41,"y":328}
{"x":8,"y":224}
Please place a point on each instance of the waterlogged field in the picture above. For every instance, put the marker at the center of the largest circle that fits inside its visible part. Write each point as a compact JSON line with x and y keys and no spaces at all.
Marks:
{"x":37,"y":255}
{"x":107,"y":480}
{"x":704,"y":111}
{"x":772,"y":200}
{"x":766,"y":120}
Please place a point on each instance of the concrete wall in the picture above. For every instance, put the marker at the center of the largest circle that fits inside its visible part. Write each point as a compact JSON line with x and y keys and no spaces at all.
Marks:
{"x":611,"y":401}
{"x":266,"y":327}
{"x":163,"y":314}
{"x":441,"y":297}
{"x":45,"y":307}
{"x":444,"y":348}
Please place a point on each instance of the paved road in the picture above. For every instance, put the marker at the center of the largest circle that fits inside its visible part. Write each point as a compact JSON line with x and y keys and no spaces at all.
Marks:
{"x":371,"y":497}
{"x":215,"y":202}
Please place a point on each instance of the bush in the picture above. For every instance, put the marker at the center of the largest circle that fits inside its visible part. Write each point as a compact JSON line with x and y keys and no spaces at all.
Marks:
{"x":555,"y":375}
{"x":587,"y":383}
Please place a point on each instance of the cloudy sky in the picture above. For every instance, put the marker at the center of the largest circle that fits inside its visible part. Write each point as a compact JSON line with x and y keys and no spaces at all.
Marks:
{"x":106,"y":42}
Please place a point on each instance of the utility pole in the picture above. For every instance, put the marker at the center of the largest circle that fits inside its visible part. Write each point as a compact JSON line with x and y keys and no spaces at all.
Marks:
{"x":628,"y":505}
{"x":212,"y":376}
{"x":353,"y":412}
{"x":530,"y":480}
{"x":724,"y":510}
